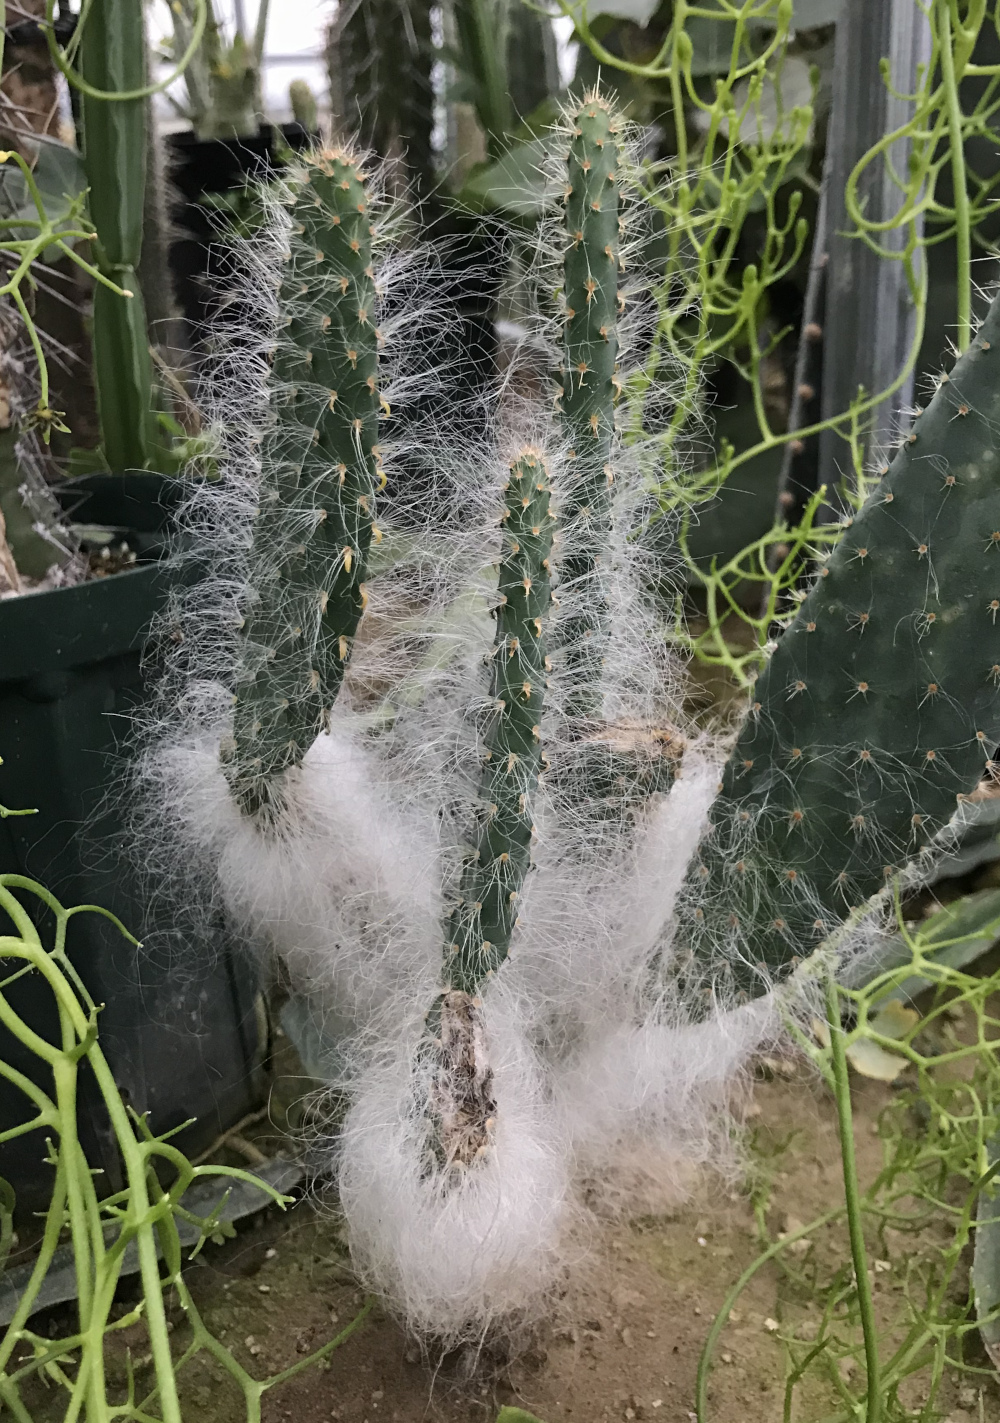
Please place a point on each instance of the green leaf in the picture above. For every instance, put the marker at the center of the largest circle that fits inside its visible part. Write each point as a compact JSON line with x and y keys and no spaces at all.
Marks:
{"x":61,"y":184}
{"x":515,"y":185}
{"x":516,"y":1415}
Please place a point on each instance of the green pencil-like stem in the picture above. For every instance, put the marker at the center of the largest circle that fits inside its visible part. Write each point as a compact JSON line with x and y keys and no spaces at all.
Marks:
{"x":852,"y":1199}
{"x":322,"y":472}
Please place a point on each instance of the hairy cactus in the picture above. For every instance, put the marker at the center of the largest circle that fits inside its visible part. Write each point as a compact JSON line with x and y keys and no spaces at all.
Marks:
{"x":879,"y":709}
{"x":321,"y":475}
{"x":588,"y":372}
{"x":483,"y":920}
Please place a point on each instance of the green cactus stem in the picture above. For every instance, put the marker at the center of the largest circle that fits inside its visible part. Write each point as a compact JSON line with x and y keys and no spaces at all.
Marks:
{"x":113,"y":60}
{"x":588,"y":374}
{"x":880,"y":708}
{"x":321,"y":473}
{"x":481,"y":923}
{"x":479,"y":929}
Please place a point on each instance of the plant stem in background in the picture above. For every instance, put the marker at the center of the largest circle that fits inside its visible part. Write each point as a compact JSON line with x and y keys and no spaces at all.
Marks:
{"x":956,"y":146}
{"x":380,"y":55}
{"x":481,"y":31}
{"x":113,"y":60}
{"x":852,"y":1199}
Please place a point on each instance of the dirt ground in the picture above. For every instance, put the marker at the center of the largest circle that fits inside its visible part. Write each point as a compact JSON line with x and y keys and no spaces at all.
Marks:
{"x":624,"y":1341}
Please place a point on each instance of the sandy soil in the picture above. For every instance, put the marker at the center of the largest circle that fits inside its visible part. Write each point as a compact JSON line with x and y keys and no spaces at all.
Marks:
{"x":623,"y":1341}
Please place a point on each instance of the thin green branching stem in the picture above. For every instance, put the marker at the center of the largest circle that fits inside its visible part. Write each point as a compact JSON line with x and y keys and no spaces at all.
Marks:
{"x":76,"y":80}
{"x":735,"y":156}
{"x":144,"y":1213}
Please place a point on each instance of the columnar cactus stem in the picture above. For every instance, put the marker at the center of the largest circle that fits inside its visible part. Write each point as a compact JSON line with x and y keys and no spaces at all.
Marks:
{"x":322,"y":472}
{"x":481,"y":924}
{"x":589,"y":374}
{"x":880,"y":708}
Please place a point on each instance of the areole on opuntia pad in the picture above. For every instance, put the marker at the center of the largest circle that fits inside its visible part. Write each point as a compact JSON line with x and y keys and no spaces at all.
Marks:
{"x":879,"y":710}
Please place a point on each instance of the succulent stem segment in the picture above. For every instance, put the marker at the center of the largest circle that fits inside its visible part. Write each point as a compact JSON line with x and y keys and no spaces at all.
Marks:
{"x":588,"y":377}
{"x":880,"y":708}
{"x":320,"y":476}
{"x":113,"y":59}
{"x":481,"y":923}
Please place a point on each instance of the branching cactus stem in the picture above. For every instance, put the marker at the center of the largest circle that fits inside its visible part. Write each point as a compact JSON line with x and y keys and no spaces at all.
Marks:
{"x":589,"y":375}
{"x":321,"y":477}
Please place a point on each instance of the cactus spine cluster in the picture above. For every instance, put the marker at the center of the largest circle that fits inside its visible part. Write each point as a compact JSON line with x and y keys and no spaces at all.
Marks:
{"x":322,"y":472}
{"x":588,"y":374}
{"x":880,"y":708}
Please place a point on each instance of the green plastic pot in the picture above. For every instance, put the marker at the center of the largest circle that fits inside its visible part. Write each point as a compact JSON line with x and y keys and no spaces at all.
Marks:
{"x":179,"y":1023}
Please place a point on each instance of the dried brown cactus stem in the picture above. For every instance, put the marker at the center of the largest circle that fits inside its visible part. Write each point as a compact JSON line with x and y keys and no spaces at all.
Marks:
{"x":462,"y":1106}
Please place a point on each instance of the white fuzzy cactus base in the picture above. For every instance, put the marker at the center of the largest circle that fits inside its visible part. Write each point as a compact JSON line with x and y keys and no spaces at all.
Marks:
{"x":604,"y":1095}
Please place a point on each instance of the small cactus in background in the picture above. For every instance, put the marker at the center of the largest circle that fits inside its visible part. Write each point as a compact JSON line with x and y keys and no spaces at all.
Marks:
{"x":316,"y":517}
{"x":302,"y":100}
{"x":588,"y":377}
{"x":380,"y":57}
{"x":880,"y":708}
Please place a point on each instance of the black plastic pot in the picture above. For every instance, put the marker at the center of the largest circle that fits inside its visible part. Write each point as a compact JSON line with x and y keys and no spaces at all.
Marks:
{"x":201,"y":168}
{"x":179,"y":1025}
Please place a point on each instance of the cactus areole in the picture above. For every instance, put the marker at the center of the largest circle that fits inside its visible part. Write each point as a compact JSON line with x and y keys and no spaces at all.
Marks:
{"x":879,"y":710}
{"x":321,"y":474}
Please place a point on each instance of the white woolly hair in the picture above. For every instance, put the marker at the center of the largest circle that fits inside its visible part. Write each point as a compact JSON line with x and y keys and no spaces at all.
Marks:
{"x":591,"y":1051}
{"x":457,"y":1254}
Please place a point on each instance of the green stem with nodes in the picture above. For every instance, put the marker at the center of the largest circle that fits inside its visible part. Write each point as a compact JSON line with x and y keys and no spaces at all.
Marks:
{"x":852,"y":1199}
{"x":722,"y":1318}
{"x":27,"y":251}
